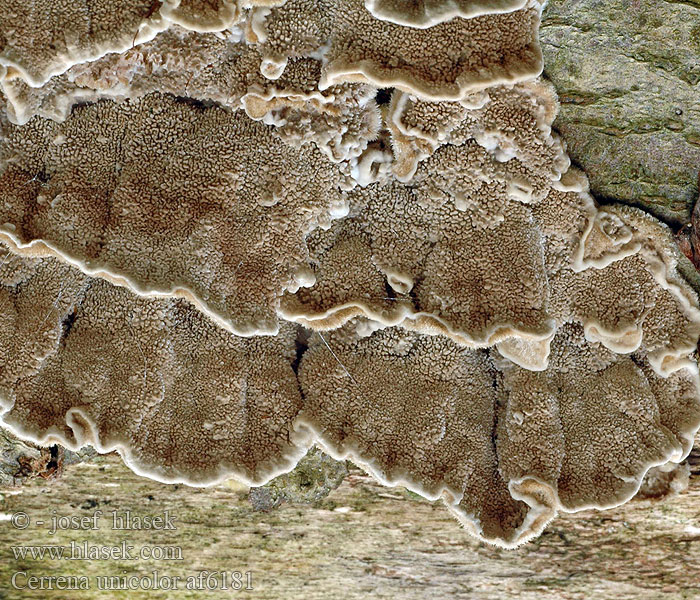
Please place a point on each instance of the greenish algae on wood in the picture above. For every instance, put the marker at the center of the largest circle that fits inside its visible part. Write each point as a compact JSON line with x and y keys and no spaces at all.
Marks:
{"x":362,"y":541}
{"x":628,"y":76}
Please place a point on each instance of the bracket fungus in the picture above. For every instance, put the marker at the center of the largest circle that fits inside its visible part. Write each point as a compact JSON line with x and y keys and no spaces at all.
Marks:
{"x":233,"y":230}
{"x":422,"y":411}
{"x":201,"y":15}
{"x":426,"y":13}
{"x":41,"y":39}
{"x":217,"y":224}
{"x":88,"y":362}
{"x":441,"y":62}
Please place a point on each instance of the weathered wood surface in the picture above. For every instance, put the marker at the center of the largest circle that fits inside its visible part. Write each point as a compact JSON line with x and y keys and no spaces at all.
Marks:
{"x":362,"y":541}
{"x":628,"y":75}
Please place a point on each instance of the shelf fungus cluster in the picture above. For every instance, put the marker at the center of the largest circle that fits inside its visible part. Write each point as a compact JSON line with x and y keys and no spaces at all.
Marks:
{"x":233,"y":230}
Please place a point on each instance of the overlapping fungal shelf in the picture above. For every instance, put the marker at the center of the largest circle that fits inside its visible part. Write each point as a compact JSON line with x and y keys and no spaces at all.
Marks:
{"x":231,"y":231}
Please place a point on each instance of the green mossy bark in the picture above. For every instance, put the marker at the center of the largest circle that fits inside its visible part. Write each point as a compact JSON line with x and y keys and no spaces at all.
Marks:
{"x":628,"y":76}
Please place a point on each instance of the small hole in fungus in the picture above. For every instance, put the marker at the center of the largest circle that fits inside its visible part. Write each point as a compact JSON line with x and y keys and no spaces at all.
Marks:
{"x":384,"y":95}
